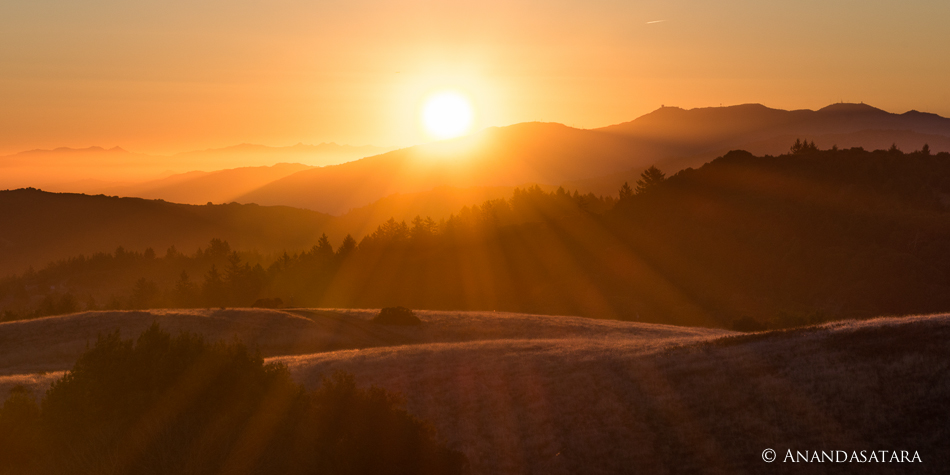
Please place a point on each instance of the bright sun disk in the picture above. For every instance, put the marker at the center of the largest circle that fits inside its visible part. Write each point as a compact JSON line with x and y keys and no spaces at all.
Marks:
{"x":447,"y":114}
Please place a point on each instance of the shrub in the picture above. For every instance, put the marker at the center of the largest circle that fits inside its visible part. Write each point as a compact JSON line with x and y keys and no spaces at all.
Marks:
{"x":19,"y":429}
{"x":166,"y":404}
{"x":397,"y":316}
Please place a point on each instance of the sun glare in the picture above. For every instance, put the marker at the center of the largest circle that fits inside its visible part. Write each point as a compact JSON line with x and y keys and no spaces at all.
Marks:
{"x":447,"y":114}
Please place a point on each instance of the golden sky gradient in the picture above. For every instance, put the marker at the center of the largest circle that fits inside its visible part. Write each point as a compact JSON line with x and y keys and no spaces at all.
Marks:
{"x":167,"y":76}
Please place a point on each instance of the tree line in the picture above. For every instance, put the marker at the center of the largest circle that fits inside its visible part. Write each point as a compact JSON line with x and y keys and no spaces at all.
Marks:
{"x":218,"y":276}
{"x":744,"y":241}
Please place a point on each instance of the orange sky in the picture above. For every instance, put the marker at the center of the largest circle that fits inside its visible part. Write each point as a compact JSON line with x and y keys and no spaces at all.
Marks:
{"x":167,"y":76}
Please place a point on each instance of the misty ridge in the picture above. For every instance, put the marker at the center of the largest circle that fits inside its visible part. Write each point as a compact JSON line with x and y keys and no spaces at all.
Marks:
{"x":434,"y":180}
{"x":742,"y":242}
{"x":336,"y":179}
{"x":98,"y":170}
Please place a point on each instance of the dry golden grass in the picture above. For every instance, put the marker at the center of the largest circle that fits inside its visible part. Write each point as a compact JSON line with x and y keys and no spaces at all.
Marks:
{"x":539,"y":394}
{"x":669,"y":402}
{"x":54,"y":343}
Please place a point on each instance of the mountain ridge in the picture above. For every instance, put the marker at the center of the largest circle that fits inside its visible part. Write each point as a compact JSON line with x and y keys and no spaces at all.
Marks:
{"x":555,"y":154}
{"x":551,"y":154}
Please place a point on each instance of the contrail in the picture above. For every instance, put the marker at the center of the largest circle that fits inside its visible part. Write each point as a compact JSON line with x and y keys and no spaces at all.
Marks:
{"x":655,"y":21}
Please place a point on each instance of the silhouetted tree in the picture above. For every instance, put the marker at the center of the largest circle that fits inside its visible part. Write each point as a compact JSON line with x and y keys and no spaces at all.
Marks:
{"x":422,"y":229}
{"x":925,"y":150}
{"x":800,"y":147}
{"x":185,"y":293}
{"x":625,"y":191}
{"x":145,"y":294}
{"x":324,"y":249}
{"x":213,"y":291}
{"x":347,"y":247}
{"x":649,"y":179}
{"x":56,"y":304}
{"x":218,"y":250}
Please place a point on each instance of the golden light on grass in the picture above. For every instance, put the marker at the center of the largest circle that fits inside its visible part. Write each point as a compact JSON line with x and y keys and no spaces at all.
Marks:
{"x":447,"y":114}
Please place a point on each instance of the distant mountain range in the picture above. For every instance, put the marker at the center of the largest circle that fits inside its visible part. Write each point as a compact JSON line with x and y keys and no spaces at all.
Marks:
{"x":197,"y":187}
{"x":96,"y":169}
{"x":597,"y":160}
{"x":334,"y":179}
{"x":693,"y":137}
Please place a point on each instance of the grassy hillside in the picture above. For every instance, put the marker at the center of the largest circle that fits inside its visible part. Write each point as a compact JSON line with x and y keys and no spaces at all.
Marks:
{"x":53,"y":343}
{"x":676,"y":404}
{"x":538,"y":394}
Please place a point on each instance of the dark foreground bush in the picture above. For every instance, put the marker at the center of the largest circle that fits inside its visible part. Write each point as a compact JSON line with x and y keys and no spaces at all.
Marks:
{"x":397,"y":316}
{"x":182,"y":405}
{"x":19,"y":429}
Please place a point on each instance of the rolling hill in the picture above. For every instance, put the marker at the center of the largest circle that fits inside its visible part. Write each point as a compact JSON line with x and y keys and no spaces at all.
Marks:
{"x":41,"y":226}
{"x":526,"y":394}
{"x":196,"y":187}
{"x":36,"y":221}
{"x":510,"y":156}
{"x":597,"y":160}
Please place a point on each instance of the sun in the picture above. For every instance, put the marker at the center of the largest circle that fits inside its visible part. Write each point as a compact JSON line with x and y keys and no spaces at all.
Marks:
{"x":447,"y":114}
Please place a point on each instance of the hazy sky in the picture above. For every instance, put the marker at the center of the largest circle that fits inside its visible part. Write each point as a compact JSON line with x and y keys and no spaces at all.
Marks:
{"x":172,"y":75}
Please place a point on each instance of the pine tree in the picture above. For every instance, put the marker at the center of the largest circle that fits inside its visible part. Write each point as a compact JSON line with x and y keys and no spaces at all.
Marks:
{"x":186,"y":291}
{"x":324,"y":248}
{"x":649,"y":179}
{"x":796,"y":147}
{"x":213,"y":289}
{"x":422,"y":229}
{"x":625,"y":191}
{"x":349,"y":244}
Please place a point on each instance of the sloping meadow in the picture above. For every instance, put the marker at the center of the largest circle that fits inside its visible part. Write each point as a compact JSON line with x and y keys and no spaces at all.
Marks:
{"x":541,"y":394}
{"x":676,"y":404}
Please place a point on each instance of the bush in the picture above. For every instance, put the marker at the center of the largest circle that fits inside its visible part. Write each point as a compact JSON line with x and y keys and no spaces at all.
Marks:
{"x":168,"y":404}
{"x":397,"y":316}
{"x":19,"y":430}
